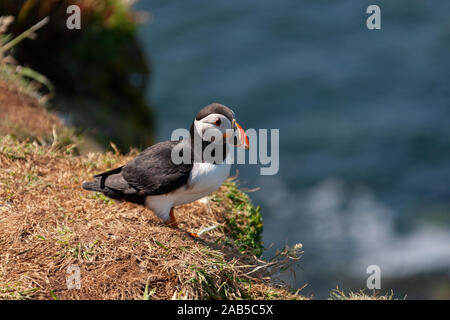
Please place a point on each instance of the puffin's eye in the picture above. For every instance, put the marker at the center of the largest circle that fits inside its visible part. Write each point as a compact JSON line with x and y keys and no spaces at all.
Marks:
{"x":218,"y":122}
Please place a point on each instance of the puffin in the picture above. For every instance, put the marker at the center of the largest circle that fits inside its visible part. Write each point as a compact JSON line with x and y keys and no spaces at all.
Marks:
{"x":159,"y":181}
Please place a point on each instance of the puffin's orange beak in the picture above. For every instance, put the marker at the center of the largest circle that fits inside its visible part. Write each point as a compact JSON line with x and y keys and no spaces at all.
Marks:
{"x":242,"y":137}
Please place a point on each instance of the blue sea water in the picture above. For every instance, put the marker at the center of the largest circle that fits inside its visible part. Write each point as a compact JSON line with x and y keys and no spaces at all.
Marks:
{"x":364,"y":119}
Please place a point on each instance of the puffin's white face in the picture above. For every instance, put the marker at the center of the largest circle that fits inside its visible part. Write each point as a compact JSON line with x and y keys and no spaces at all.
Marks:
{"x":213,"y":126}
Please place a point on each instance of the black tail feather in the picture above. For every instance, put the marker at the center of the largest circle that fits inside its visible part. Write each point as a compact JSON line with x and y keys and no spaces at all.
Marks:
{"x":92,"y":185}
{"x":116,"y":189}
{"x":99,"y":183}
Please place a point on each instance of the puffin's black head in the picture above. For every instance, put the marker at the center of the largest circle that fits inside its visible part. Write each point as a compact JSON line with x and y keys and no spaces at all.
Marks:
{"x":215,"y":108}
{"x":214,"y":117}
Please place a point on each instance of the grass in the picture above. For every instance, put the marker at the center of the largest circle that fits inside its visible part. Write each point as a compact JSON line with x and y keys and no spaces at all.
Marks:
{"x":25,"y":117}
{"x":25,"y":79}
{"x":15,"y":292}
{"x":124,"y":252}
{"x":245,"y":222}
{"x":339,"y":294}
{"x":22,"y":104}
{"x":9,"y":74}
{"x":101,"y":197}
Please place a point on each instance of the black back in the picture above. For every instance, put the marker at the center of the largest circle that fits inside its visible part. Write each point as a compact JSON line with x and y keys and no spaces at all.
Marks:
{"x":152,"y":172}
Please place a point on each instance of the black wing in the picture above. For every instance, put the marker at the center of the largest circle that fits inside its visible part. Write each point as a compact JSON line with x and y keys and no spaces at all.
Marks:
{"x":152,"y":172}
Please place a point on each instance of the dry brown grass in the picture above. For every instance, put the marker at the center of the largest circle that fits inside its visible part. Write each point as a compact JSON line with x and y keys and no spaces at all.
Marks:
{"x":339,"y":294}
{"x":47,"y":223}
{"x":23,"y":115}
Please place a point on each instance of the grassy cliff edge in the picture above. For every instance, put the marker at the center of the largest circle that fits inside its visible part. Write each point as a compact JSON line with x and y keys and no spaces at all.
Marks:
{"x":49,"y":224}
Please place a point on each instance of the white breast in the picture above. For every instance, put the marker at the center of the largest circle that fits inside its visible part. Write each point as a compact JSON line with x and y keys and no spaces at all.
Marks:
{"x":207,"y":177}
{"x":204,"y":179}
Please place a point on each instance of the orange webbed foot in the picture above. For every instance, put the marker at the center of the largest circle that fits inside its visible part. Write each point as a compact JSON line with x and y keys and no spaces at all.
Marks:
{"x":193,"y":235}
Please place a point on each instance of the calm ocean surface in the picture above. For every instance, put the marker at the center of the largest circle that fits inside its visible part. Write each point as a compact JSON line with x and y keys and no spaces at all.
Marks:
{"x":364,"y":119}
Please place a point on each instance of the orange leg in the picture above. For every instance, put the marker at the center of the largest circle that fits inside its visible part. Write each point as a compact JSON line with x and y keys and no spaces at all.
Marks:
{"x":172,"y":222}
